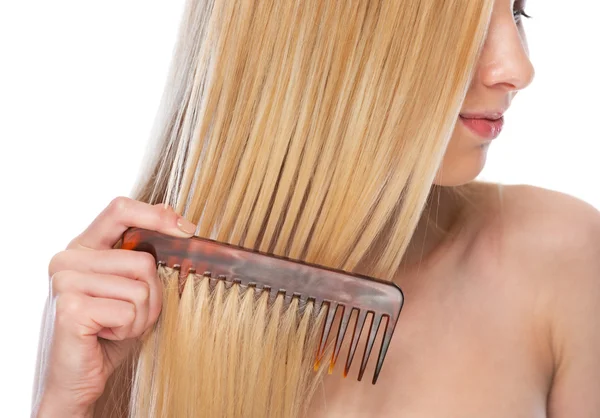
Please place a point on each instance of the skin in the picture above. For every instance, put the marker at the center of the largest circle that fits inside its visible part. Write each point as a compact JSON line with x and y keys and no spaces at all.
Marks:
{"x":503,"y":69}
{"x":97,"y":291}
{"x":501,"y":310}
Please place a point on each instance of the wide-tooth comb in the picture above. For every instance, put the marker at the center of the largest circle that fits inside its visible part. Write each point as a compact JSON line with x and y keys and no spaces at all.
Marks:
{"x":275,"y":274}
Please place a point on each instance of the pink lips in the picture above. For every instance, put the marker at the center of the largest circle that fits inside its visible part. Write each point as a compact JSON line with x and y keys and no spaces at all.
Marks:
{"x":486,"y":126}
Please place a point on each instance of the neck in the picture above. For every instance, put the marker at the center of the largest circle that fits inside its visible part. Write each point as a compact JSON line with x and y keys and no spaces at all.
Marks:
{"x":436,"y":227}
{"x":436,"y":231}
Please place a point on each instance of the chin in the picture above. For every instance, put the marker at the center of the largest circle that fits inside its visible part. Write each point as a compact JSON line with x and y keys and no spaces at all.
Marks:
{"x":459,"y":170}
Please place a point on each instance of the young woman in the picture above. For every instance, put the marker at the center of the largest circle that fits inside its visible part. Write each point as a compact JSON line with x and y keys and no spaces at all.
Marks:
{"x":502,"y":284}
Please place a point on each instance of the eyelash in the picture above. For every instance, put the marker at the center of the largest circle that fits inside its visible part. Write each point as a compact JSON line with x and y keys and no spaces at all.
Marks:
{"x":518,"y":12}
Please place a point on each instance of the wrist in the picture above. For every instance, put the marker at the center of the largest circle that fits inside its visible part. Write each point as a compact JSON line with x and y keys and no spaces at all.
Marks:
{"x":54,"y":407}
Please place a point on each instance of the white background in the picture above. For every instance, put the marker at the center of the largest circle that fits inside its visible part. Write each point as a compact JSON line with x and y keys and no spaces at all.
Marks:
{"x":79,"y":86}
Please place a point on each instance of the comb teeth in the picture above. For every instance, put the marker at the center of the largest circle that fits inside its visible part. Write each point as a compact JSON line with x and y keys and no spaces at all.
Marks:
{"x":331,"y":309}
{"x":360,"y":322}
{"x":375,"y":320}
{"x":359,"y":325}
{"x":337,"y":289}
{"x":340,"y":337}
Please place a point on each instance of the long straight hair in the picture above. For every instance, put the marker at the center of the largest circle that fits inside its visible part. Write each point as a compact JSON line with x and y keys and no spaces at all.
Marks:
{"x":309,"y":129}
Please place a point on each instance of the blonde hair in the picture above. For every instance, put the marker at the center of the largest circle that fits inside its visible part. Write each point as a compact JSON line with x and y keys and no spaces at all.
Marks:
{"x":309,"y":129}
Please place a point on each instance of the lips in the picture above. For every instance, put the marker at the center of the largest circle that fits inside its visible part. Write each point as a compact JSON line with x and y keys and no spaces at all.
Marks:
{"x":486,"y":126}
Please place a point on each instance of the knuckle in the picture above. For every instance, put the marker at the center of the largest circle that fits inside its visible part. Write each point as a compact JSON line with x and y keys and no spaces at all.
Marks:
{"x":141,"y":292}
{"x":58,"y":282}
{"x":164,"y":215}
{"x":57,"y":263}
{"x":68,"y":306}
{"x":128,"y":314}
{"x":147,"y":264}
{"x":119,"y":205}
{"x":74,"y":243}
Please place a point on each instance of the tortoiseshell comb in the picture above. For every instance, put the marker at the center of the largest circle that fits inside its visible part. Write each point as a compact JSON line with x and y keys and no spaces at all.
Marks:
{"x":333,"y":288}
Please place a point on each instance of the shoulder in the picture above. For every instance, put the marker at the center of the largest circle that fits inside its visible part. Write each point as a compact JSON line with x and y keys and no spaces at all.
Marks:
{"x":553,"y":241}
{"x":544,"y":229}
{"x":546,"y":245}
{"x":540,"y":243}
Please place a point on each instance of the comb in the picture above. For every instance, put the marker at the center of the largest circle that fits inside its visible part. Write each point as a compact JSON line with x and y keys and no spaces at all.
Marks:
{"x":328,"y":288}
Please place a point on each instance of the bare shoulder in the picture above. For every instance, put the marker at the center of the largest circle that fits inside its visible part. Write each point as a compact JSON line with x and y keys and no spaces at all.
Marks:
{"x":545,"y":246}
{"x":539,"y":242}
{"x":559,"y":218}
{"x":545,"y":227}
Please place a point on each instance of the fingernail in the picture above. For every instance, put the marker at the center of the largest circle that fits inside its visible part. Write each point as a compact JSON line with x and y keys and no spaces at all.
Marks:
{"x":186,"y":226}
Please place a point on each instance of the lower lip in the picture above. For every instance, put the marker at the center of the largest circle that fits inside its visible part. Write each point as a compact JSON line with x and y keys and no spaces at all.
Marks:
{"x":486,"y":128}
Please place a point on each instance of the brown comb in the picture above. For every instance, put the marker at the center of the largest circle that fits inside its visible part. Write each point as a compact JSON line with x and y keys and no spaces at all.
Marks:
{"x":336,"y":289}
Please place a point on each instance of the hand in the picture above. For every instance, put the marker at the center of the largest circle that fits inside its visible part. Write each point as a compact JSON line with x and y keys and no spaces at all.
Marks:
{"x":101,"y":300}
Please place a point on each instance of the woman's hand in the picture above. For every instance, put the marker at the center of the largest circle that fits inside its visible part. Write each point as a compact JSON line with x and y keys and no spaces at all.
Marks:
{"x":101,"y":300}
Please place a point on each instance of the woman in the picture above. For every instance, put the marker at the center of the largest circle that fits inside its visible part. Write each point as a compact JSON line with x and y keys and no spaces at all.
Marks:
{"x":502,"y":297}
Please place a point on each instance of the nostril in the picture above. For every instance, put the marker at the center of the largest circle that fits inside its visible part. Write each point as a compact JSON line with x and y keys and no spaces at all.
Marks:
{"x":510,"y":86}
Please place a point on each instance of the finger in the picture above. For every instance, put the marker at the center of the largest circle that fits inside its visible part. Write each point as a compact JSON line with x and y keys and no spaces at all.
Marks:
{"x":83,"y":316}
{"x":109,"y":287}
{"x":122,"y":213}
{"x":135,"y":265}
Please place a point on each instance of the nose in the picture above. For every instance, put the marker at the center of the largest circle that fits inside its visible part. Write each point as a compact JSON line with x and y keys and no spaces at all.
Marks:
{"x":505,"y":62}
